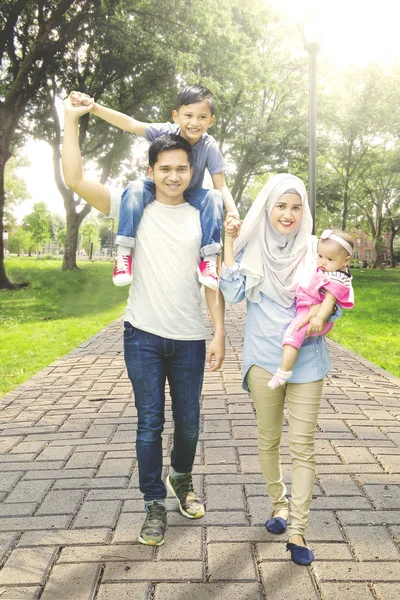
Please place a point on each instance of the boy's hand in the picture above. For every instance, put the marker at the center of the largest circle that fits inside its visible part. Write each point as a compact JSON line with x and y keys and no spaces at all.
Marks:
{"x":232,"y":224}
{"x":76,"y":111}
{"x":80,"y":99}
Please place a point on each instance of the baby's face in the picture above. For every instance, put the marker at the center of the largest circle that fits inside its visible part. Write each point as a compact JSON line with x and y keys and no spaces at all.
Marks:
{"x":331,"y":256}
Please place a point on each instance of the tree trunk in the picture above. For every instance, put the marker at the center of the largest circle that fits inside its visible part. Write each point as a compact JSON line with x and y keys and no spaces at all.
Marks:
{"x":71,"y":243}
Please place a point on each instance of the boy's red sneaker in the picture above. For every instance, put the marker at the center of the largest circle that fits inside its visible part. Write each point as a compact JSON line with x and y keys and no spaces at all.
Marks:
{"x":123,"y":270}
{"x":208,"y":274}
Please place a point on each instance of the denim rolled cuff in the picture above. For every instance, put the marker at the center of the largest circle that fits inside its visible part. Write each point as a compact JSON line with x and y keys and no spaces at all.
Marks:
{"x":230,"y":273}
{"x":336,"y":315}
{"x":210,"y":249}
{"x":123,"y":240}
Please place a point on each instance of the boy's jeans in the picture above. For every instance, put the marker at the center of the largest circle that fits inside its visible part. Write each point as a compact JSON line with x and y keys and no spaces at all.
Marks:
{"x":150,"y":361}
{"x":138,"y":194}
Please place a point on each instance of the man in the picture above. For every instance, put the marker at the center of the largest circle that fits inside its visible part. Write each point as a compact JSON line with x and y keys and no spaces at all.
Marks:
{"x":164,"y":336}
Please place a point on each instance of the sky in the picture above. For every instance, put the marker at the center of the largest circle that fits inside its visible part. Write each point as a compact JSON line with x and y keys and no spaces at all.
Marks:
{"x":353,"y":32}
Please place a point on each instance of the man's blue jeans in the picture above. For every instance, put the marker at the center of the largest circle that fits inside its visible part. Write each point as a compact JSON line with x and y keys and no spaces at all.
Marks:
{"x":150,"y":361}
{"x":138,"y":194}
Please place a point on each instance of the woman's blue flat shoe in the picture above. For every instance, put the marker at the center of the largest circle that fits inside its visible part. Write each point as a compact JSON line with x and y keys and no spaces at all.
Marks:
{"x":300,"y":555}
{"x":276,"y":525}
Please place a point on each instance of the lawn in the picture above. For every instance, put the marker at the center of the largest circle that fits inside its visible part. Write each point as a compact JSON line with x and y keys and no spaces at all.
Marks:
{"x":57,"y":312}
{"x":372,"y":327}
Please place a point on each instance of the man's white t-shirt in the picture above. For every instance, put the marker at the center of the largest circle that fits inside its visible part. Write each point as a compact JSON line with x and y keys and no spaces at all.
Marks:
{"x":164,"y":298}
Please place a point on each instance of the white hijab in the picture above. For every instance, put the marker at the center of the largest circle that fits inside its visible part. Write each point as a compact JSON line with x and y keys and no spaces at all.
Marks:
{"x":274,"y":263}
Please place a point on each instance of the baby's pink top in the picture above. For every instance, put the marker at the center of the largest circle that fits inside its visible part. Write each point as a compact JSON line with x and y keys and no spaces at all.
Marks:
{"x":338,"y":283}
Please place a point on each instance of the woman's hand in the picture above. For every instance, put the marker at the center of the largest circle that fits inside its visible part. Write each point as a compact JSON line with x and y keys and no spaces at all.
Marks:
{"x":232,"y":225}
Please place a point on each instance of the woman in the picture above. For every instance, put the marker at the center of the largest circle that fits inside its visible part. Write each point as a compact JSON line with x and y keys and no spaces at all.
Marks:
{"x":272,"y":254}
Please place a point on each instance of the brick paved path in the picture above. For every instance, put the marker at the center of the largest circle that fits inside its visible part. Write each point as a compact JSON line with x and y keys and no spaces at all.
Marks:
{"x":70,"y":509}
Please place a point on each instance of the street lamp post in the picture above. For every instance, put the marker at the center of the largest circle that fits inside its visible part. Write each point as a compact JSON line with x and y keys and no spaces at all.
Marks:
{"x":312,"y":38}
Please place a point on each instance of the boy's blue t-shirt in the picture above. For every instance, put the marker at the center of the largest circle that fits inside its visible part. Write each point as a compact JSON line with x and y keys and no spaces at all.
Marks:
{"x":206,"y":154}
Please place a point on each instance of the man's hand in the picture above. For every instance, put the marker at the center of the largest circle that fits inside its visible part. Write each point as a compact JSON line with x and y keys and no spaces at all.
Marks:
{"x":232,"y":224}
{"x":80,"y":99}
{"x":76,"y":110}
{"x":216,"y":350}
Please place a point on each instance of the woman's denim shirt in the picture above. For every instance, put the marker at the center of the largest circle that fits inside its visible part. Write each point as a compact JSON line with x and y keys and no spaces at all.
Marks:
{"x":266,"y":324}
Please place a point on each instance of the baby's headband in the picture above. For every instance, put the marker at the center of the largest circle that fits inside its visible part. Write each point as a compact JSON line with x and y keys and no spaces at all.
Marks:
{"x":329,"y":235}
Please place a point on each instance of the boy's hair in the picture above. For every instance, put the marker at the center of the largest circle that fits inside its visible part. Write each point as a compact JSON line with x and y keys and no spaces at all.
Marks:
{"x":166,"y":142}
{"x":191,"y":94}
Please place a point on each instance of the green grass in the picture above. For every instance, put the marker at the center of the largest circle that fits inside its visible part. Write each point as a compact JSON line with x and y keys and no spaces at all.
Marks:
{"x":57,"y":312}
{"x":372,"y":327}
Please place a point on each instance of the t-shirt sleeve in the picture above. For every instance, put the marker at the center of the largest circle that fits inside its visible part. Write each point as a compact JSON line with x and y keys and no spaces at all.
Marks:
{"x":215,"y":161}
{"x":343,"y":293}
{"x":154,"y":130}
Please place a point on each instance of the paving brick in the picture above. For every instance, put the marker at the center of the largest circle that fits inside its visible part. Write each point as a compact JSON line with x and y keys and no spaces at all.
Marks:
{"x":208,"y":591}
{"x":356,"y":455}
{"x":110,"y":553}
{"x":339,"y":485}
{"x":31,"y":523}
{"x":123,"y":591}
{"x":291,"y":583}
{"x":372,"y":543}
{"x":53,"y":453}
{"x":20,"y":593}
{"x":154,"y":571}
{"x":386,"y":591}
{"x":231,"y":562}
{"x":65,"y":537}
{"x":214,"y":456}
{"x":21,"y":509}
{"x":27,"y":566}
{"x":116,"y":467}
{"x":8,"y":480}
{"x":225,"y":498}
{"x":82,"y":460}
{"x":371,"y":517}
{"x":72,"y":582}
{"x":7,"y":540}
{"x":352,"y":571}
{"x":90,"y":483}
{"x":384,"y":496}
{"x":345,"y":591}
{"x":24,"y":447}
{"x":61,"y":503}
{"x":34,"y":490}
{"x":98,"y":514}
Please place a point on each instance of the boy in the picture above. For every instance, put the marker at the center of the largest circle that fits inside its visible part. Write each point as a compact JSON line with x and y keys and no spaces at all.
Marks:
{"x":164,"y":334}
{"x":329,"y":284}
{"x":193,"y":116}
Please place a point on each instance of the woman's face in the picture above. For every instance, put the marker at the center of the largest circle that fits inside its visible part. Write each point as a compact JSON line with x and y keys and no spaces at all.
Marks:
{"x":286,"y":215}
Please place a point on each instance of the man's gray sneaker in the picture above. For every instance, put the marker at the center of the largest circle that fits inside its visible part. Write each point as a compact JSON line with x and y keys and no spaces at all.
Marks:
{"x":154,"y":526}
{"x":182,"y":488}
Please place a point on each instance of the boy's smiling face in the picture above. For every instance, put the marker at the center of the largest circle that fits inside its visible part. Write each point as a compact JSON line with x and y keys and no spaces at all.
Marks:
{"x":193,"y":120}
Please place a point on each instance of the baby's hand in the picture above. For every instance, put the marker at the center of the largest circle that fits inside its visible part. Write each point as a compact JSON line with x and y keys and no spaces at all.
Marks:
{"x":81,"y":99}
{"x":316,"y":325}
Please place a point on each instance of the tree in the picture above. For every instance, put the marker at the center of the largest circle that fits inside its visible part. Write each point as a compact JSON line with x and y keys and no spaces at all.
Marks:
{"x":32,"y":36}
{"x":16,"y":190}
{"x":19,"y":241}
{"x":38,"y":224}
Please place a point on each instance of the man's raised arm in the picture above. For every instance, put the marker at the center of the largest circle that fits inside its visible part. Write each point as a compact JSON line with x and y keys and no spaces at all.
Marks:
{"x":92,"y":191}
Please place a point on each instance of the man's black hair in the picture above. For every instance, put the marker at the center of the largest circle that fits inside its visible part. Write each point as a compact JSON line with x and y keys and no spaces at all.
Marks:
{"x":166,"y":142}
{"x":195,"y":93}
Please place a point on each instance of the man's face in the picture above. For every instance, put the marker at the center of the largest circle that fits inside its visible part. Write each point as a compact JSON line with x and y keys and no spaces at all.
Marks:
{"x":193,"y":120}
{"x":171,"y":174}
